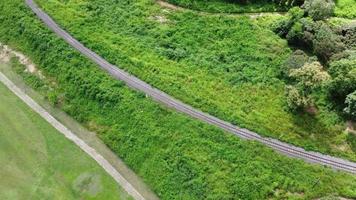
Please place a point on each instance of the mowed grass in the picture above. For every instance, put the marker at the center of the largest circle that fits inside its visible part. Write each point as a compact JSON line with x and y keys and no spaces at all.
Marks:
{"x":226,"y":66}
{"x":37,"y":162}
{"x":346,"y":8}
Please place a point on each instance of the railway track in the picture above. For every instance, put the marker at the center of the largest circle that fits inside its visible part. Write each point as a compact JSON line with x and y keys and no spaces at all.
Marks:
{"x":165,"y":99}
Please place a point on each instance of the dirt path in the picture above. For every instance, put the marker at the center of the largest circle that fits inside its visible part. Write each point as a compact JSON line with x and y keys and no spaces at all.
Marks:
{"x":252,"y":15}
{"x":74,"y":138}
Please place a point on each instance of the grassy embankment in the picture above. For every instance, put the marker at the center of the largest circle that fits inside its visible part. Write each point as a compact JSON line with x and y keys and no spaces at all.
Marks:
{"x":230,"y":69}
{"x":37,"y":162}
{"x":226,"y":6}
{"x":178,"y":157}
{"x":344,"y":8}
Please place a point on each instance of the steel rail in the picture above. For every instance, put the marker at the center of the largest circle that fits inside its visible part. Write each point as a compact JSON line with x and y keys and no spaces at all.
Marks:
{"x":165,"y":99}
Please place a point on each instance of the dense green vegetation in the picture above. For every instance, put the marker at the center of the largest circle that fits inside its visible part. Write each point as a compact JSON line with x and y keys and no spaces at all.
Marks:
{"x":37,"y":162}
{"x":334,"y":46}
{"x":236,"y":6}
{"x":231,"y":69}
{"x":346,"y":8}
{"x":178,"y":157}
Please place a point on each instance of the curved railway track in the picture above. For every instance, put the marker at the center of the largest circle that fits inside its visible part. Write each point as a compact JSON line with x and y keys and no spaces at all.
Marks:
{"x":165,"y":99}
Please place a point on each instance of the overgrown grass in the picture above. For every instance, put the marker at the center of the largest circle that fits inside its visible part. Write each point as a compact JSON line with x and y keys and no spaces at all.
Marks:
{"x":228,"y":6}
{"x":180,"y":158}
{"x":346,"y":8}
{"x":227,"y":66}
{"x":37,"y":162}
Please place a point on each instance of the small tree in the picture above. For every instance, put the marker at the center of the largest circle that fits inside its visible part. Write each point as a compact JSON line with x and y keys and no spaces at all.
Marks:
{"x":296,"y":99}
{"x":319,"y":9}
{"x":326,"y":43}
{"x":343,"y":72}
{"x":296,"y":60}
{"x":351,"y":105}
{"x":309,"y":78}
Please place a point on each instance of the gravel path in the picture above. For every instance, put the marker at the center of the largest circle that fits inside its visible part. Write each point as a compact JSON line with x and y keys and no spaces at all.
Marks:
{"x":71,"y":136}
{"x":171,"y":102}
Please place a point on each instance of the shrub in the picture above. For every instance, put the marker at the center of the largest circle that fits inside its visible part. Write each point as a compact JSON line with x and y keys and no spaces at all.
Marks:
{"x":319,"y":9}
{"x":296,"y":60}
{"x":326,"y":43}
{"x":310,"y":76}
{"x":344,"y":78}
{"x":349,"y":35}
{"x":296,"y":100}
{"x":295,"y":34}
{"x":351,"y":105}
{"x":283,"y":26}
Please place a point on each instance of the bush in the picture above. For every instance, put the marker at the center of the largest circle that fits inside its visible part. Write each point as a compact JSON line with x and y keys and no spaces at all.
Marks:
{"x":296,"y":99}
{"x":295,"y":34}
{"x":349,"y":36}
{"x":311,"y":76}
{"x":351,"y":105}
{"x":283,"y":26}
{"x":296,"y":60}
{"x":326,"y":43}
{"x":344,"y":78}
{"x":319,"y":9}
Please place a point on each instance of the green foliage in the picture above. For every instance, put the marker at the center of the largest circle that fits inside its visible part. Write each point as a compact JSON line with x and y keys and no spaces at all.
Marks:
{"x":180,"y":158}
{"x":308,"y":78}
{"x":311,"y":76}
{"x":351,"y":105}
{"x":346,"y":8}
{"x":296,"y":99}
{"x":326,"y":43}
{"x":349,"y":35}
{"x":212,"y":70}
{"x":343,"y":83}
{"x":284,"y":25}
{"x":236,"y":6}
{"x":313,"y":35}
{"x":296,"y":60}
{"x":319,"y":9}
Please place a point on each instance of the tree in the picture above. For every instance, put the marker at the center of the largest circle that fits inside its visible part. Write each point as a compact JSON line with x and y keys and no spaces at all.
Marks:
{"x":296,"y":60}
{"x":309,"y":78}
{"x":326,"y":43}
{"x":296,"y":99}
{"x":351,"y":105}
{"x":349,"y":35}
{"x":344,"y":78}
{"x":319,"y":9}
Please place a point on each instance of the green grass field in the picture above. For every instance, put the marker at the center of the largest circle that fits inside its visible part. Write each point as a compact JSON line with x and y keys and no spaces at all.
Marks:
{"x":37,"y":162}
{"x":230,"y":69}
